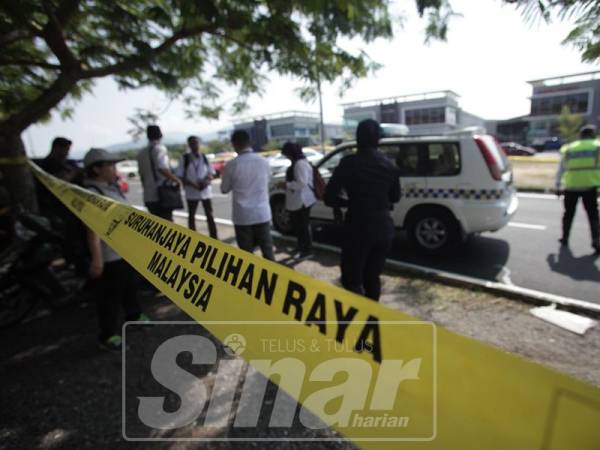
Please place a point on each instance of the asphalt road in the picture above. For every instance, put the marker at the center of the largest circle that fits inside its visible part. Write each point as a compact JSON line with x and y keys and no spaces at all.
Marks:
{"x":526,"y":253}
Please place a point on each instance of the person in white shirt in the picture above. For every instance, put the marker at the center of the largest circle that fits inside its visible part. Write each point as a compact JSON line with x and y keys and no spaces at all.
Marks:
{"x":196,"y":174}
{"x":247,"y":177}
{"x":299,"y":195}
{"x":153,"y":163}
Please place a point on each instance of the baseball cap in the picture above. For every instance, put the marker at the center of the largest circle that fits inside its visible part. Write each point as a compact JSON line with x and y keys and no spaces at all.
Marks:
{"x":588,"y":129}
{"x":97,"y":155}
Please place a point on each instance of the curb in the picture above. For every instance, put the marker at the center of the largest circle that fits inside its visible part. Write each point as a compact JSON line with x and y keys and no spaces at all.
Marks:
{"x":538,"y":298}
{"x":531,"y":296}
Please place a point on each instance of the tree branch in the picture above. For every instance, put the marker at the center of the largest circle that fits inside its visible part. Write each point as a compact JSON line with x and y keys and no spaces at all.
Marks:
{"x":54,"y":36}
{"x":15,"y":36}
{"x":28,"y":63}
{"x":39,"y":107}
{"x":66,"y":10}
{"x":133,"y":62}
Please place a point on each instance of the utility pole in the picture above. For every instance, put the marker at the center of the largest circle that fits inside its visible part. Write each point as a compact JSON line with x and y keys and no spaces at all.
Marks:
{"x":321,"y":114}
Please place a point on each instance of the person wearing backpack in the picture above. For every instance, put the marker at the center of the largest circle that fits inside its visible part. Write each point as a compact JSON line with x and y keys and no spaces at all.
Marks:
{"x":299,"y":196}
{"x":196,"y":174}
{"x":372,"y":186}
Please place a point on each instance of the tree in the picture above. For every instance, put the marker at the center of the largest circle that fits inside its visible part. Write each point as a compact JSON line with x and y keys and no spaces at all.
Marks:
{"x":569,"y":124}
{"x":217,"y":146}
{"x":586,"y":34}
{"x":51,"y":51}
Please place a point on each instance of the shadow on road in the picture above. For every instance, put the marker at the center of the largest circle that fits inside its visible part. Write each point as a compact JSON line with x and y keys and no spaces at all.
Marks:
{"x":480,"y":257}
{"x":580,"y":268}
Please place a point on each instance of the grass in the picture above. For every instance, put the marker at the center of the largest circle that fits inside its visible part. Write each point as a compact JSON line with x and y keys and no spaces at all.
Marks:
{"x":534,"y":174}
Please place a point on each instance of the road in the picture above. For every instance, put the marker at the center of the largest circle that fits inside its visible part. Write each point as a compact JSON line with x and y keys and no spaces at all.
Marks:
{"x":526,"y":253}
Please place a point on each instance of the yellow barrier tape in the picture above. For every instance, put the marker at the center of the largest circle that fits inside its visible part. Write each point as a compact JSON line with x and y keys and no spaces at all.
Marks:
{"x":463,"y":394}
{"x":14,"y":161}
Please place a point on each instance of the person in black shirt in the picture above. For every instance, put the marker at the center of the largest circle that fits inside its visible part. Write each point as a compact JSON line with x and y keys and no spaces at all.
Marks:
{"x":64,"y":222}
{"x":372,"y":185}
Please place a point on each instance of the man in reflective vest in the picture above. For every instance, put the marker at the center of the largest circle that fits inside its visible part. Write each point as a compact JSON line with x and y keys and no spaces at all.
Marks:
{"x":579,"y":174}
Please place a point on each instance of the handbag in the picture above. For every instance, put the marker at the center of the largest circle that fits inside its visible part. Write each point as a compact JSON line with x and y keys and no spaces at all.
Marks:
{"x":169,"y":194}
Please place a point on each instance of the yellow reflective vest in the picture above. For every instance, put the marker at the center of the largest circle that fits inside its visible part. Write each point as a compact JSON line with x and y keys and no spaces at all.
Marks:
{"x":581,"y":162}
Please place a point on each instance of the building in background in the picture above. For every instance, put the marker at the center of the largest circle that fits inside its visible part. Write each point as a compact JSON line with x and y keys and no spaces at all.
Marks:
{"x":580,"y":92}
{"x":435,"y":112}
{"x":296,"y":126}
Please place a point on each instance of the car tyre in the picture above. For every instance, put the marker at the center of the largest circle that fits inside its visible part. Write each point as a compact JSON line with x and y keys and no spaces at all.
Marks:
{"x":433,"y":230}
{"x":282,"y":220}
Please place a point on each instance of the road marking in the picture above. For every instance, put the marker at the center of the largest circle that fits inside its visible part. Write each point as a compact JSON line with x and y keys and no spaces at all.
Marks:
{"x":528,"y":226}
{"x":537,"y":196}
{"x":504,"y":275}
{"x":184,"y":215}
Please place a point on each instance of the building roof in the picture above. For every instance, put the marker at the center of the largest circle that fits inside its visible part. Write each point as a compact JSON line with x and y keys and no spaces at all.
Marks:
{"x":279,"y":115}
{"x":566,"y":79}
{"x":402,"y":98}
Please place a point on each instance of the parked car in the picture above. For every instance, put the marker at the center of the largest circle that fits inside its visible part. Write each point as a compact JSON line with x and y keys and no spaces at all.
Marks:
{"x":515,"y":149}
{"x":280,"y":163}
{"x":453,"y":185}
{"x":128,"y":168}
{"x":554,"y":143}
{"x":123,"y":184}
{"x":219,"y":161}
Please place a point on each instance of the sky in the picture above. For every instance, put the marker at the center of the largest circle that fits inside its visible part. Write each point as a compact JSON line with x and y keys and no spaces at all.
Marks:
{"x":490,"y":54}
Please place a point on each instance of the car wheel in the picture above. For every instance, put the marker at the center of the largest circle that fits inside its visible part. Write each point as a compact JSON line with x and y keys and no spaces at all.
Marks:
{"x":281,"y":216}
{"x":433,"y":230}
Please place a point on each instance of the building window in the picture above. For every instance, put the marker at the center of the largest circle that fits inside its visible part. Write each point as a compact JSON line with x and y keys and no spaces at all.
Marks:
{"x":542,"y":106}
{"x":286,"y":129}
{"x":425,"y":116}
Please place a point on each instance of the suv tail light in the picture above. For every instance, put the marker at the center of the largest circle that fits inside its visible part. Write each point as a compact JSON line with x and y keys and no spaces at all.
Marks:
{"x":489,"y":153}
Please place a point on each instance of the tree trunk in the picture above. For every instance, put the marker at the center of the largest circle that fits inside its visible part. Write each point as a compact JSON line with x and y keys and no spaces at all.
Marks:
{"x":16,"y":175}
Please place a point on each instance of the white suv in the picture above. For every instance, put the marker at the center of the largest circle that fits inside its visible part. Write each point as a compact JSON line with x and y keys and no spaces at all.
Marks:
{"x":452,"y":185}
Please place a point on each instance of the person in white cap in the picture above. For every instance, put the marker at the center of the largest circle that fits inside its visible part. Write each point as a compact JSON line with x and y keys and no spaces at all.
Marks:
{"x":113,"y":279}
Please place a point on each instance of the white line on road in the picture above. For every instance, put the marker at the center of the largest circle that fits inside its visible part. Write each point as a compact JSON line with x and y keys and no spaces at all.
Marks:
{"x":184,"y":215}
{"x":528,"y":226}
{"x":537,"y":196}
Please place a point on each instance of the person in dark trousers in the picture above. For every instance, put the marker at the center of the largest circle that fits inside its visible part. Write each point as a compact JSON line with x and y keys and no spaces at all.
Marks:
{"x":579,"y":175}
{"x":64,"y":222}
{"x":247,"y":177}
{"x":196,"y":174}
{"x":372,"y":186}
{"x":113,"y":279}
{"x":153,"y":163}
{"x":299,"y":196}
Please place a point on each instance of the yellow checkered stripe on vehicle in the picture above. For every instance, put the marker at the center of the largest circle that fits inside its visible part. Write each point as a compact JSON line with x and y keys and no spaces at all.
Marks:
{"x":466,"y":194}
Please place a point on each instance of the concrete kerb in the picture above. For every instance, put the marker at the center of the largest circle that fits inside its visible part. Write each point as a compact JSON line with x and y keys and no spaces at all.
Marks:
{"x":532,"y":296}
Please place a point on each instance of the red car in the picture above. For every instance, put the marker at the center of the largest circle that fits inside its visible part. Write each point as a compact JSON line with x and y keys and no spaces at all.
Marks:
{"x":514,"y":149}
{"x":123,"y":184}
{"x":220,"y":160}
